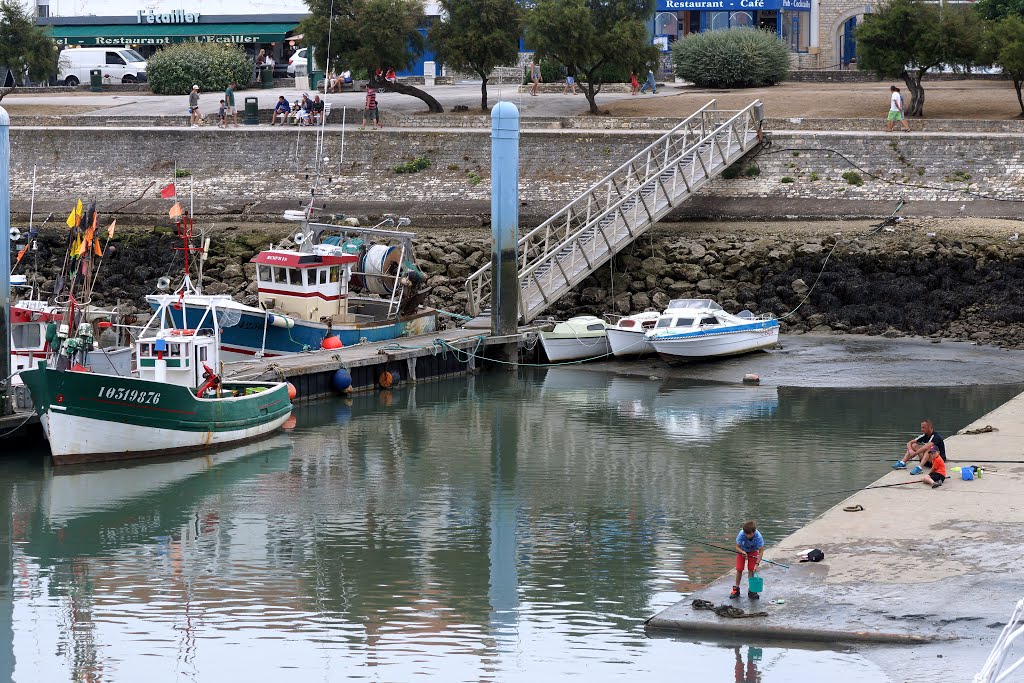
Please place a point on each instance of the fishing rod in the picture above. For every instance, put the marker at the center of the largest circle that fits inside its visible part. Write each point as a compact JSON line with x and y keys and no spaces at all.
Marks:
{"x":866,"y":488}
{"x":730,"y":550}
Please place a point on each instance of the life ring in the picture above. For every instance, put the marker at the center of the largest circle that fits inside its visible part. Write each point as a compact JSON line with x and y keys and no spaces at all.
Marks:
{"x":182,"y":333}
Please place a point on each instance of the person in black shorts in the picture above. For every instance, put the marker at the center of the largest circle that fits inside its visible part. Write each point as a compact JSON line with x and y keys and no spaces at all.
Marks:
{"x":918,"y":448}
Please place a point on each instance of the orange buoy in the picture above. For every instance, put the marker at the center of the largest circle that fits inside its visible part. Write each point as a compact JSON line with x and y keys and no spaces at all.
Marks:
{"x":385,"y":380}
{"x":289,"y":424}
{"x":331,"y":342}
{"x":292,"y":392}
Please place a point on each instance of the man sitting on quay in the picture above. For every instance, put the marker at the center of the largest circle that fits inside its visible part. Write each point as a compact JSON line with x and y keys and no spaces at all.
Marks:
{"x":919,"y":447}
{"x":281,"y":110}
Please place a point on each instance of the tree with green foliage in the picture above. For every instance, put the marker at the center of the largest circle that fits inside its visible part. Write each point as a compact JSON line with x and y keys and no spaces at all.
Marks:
{"x":211,"y":66}
{"x":908,"y":38}
{"x":596,"y":40}
{"x":993,"y":10}
{"x":1004,"y":47}
{"x":25,"y":48}
{"x":369,"y":35}
{"x":731,"y":58}
{"x":478,"y":35}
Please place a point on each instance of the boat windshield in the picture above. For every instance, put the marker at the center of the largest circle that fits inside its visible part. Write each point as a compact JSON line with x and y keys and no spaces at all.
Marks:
{"x":677,"y":322}
{"x":676,"y":304}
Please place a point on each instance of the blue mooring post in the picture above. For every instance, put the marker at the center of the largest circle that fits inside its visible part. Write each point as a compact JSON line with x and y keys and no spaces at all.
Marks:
{"x":504,"y":219}
{"x":5,"y":258}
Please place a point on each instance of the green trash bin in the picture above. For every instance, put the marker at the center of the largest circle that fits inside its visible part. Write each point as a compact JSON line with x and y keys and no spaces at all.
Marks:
{"x":267,"y":77}
{"x":252,"y":111}
{"x":315,"y":79}
{"x":96,"y":80}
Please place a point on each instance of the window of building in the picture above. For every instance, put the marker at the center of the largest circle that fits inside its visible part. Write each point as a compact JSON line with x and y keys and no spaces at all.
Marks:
{"x":42,"y":11}
{"x":796,"y":30}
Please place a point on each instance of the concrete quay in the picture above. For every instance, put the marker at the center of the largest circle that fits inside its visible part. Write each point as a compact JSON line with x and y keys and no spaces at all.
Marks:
{"x":935,"y":569}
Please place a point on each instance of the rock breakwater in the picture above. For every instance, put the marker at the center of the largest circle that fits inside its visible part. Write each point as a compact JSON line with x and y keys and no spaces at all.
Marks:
{"x":907,"y":282}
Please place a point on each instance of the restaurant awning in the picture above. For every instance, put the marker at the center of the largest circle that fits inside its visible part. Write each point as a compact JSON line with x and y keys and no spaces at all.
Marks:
{"x":165,"y":34}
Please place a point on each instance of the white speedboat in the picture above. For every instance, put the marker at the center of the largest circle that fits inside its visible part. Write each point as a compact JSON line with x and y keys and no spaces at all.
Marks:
{"x":578,"y":338}
{"x":699,"y":328}
{"x":626,"y":337}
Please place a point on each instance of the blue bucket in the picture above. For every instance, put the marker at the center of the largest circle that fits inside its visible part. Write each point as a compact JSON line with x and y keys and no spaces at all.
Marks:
{"x":967,"y":473}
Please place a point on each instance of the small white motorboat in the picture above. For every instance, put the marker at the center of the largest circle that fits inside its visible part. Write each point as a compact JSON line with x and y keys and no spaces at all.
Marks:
{"x":578,"y":338}
{"x":699,"y":328}
{"x":626,"y":337}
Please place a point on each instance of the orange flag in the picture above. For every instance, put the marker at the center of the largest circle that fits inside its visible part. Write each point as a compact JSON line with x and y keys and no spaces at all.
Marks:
{"x":87,"y":238}
{"x":21,"y":254}
{"x":110,"y":230}
{"x":175,"y":210}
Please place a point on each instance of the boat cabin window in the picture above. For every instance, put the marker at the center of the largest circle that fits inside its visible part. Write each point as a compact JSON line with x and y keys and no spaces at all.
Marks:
{"x":627,"y":323}
{"x":264,"y":273}
{"x":684,"y":322}
{"x":664,"y":322}
{"x":295,"y":277}
{"x":145,"y":349}
{"x":335,"y":273}
{"x":709,"y":320}
{"x":322,"y":272}
{"x":280,"y":277}
{"x":596,"y":327}
{"x":202,"y":354}
{"x":647,"y":324}
{"x":174,"y":350}
{"x":26,"y":336}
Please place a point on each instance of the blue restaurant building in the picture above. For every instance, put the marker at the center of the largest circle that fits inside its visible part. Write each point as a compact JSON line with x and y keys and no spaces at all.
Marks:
{"x":790,"y":19}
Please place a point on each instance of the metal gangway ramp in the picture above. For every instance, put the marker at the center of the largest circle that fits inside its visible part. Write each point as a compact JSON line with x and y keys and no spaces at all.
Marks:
{"x":567,"y":248}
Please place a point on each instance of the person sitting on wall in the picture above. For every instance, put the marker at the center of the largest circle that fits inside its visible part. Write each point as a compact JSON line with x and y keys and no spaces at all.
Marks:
{"x":317,"y":110}
{"x":281,"y":110}
{"x":390,"y":76}
{"x":293,"y":115}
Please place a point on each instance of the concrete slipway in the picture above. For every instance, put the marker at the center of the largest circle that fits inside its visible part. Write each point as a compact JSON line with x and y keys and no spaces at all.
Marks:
{"x":931,"y":576}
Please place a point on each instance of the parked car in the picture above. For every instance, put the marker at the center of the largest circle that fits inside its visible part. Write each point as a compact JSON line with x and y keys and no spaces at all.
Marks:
{"x":297,"y":61}
{"x":118,"y":64}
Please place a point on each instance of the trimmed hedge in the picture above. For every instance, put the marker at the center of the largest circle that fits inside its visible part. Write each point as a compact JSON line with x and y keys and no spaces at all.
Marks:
{"x":733,"y":58}
{"x":211,"y":66}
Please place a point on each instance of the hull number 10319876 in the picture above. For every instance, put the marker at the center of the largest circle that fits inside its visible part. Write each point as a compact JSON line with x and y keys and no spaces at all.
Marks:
{"x":130,"y":395}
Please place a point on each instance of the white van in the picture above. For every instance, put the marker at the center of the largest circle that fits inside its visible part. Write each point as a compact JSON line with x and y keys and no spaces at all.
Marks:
{"x":118,"y":64}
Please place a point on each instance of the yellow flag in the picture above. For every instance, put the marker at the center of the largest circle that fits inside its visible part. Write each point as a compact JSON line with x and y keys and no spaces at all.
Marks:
{"x":110,"y":230}
{"x":76,"y":248}
{"x":75,"y":217}
{"x":175,"y":210}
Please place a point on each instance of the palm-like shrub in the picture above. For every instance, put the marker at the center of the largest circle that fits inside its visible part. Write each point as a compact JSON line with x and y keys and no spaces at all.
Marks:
{"x":211,"y":66}
{"x":733,"y":58}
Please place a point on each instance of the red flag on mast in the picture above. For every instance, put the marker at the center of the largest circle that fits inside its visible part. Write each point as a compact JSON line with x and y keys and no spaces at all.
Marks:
{"x":168,"y":191}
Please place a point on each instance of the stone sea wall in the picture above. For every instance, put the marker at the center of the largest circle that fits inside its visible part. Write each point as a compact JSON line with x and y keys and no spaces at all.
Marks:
{"x":254,"y":174}
{"x":891,"y":283}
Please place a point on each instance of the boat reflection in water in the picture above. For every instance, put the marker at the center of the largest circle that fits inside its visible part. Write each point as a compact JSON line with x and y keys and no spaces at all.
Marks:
{"x":686,"y":411}
{"x":92,"y":505}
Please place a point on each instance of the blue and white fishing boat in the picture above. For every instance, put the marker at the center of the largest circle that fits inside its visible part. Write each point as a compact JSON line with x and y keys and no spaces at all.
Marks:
{"x":339,"y":286}
{"x":691,"y":329}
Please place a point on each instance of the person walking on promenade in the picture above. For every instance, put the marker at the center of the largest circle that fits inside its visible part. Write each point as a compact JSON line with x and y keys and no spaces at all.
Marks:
{"x":748,"y":551}
{"x":896,"y":111}
{"x":229,"y":104}
{"x":650,"y":83}
{"x":534,"y":76}
{"x":195,"y":118}
{"x":634,"y":84}
{"x":370,"y":110}
{"x":919,"y":447}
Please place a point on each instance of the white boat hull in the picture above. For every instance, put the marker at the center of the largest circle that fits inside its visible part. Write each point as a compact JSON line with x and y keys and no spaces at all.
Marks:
{"x":716,"y":344}
{"x":626,"y":343}
{"x":561,"y":349}
{"x":74,"y":435}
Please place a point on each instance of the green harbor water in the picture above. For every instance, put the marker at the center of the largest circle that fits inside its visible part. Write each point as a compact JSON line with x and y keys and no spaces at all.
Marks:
{"x":495,"y":528}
